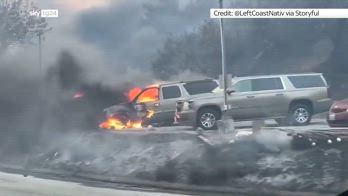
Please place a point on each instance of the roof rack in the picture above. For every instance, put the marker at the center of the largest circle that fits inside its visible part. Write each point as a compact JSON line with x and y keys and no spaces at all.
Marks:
{"x":187,"y":81}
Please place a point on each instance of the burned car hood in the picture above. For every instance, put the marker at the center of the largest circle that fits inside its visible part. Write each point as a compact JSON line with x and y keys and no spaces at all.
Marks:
{"x":117,"y":108}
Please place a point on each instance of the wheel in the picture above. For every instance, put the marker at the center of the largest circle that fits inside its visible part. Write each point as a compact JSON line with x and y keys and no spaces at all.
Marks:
{"x":300,"y":114}
{"x":207,"y":118}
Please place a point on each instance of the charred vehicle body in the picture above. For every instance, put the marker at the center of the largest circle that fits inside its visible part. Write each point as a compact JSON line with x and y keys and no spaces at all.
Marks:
{"x":289,"y":99}
{"x":156,"y":105}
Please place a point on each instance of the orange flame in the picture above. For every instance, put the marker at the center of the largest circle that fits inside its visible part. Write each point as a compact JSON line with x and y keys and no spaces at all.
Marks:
{"x":134,"y":125}
{"x":78,"y":95}
{"x":116,"y":124}
{"x":112,"y":123}
{"x":148,"y":95}
{"x":150,"y":113}
{"x":153,"y":85}
{"x":133,"y":93}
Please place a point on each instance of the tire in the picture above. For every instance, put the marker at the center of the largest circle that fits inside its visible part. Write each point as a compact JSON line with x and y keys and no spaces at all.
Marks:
{"x":300,"y":114}
{"x":207,"y":118}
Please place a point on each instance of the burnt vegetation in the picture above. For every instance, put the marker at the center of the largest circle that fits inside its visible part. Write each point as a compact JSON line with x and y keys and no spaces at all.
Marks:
{"x":17,"y":26}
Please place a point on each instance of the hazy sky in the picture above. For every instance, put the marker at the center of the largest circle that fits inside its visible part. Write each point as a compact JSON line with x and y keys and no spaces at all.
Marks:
{"x":73,"y":5}
{"x":78,"y":5}
{"x":111,"y":37}
{"x":120,"y":34}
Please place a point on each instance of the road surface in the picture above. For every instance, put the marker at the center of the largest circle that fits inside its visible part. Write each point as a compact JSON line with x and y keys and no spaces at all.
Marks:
{"x":17,"y":185}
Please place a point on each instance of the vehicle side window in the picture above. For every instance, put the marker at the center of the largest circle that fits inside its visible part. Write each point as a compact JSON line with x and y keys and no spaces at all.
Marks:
{"x":170,"y":92}
{"x":194,"y":88}
{"x":242,"y":86}
{"x":262,"y":84}
{"x":148,"y":95}
{"x":307,"y":81}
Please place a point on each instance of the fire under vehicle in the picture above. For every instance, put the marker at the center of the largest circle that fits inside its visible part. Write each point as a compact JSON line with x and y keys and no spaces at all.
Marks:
{"x":154,"y":105}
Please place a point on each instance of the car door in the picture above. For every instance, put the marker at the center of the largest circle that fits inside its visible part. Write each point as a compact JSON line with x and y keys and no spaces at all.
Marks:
{"x":269,"y":94}
{"x":242,"y":103}
{"x":169,"y":95}
{"x":150,"y":98}
{"x":258,"y":98}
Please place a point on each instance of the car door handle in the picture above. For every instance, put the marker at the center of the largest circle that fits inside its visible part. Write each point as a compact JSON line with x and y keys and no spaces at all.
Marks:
{"x":156,"y":104}
{"x":250,"y":96}
{"x":279,"y":94}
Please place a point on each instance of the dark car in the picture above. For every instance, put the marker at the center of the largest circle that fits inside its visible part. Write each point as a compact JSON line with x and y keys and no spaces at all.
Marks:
{"x":338,"y":115}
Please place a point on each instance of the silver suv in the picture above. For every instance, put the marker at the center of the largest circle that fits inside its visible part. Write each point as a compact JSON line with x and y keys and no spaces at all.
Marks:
{"x":161,"y":100}
{"x":289,"y":99}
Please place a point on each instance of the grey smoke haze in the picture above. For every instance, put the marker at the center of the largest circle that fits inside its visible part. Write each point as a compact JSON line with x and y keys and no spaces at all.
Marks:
{"x":131,"y":32}
{"x":20,"y":74}
{"x":110,"y":47}
{"x":113,"y":39}
{"x":114,"y":44}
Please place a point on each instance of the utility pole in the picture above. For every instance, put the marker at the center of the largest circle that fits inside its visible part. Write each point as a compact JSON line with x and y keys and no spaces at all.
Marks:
{"x":42,"y":29}
{"x":223,"y":59}
{"x":40,"y":54}
{"x":226,"y":123}
{"x":40,"y":127}
{"x":41,"y":85}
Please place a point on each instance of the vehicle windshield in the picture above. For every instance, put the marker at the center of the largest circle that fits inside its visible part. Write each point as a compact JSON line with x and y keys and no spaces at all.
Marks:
{"x":248,"y":97}
{"x":148,"y":95}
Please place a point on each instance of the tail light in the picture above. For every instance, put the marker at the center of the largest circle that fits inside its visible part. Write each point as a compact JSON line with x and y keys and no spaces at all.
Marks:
{"x":338,"y":110}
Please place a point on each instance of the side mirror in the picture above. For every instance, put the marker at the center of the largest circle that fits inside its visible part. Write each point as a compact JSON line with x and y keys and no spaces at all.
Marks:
{"x":230,"y":91}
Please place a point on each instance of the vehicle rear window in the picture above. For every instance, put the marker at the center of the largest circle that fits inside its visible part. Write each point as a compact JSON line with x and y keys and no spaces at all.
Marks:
{"x":307,"y":81}
{"x":170,"y":92}
{"x":262,"y":84}
{"x":194,"y":88}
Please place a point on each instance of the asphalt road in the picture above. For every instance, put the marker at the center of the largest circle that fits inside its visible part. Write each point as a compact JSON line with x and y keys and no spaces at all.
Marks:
{"x":18,"y":185}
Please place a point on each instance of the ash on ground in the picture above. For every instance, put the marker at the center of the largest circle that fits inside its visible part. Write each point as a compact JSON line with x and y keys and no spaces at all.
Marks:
{"x":258,"y":160}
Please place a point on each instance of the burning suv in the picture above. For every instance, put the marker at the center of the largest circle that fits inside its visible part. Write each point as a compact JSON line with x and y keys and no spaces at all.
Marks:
{"x":155,"y":105}
{"x":289,"y":99}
